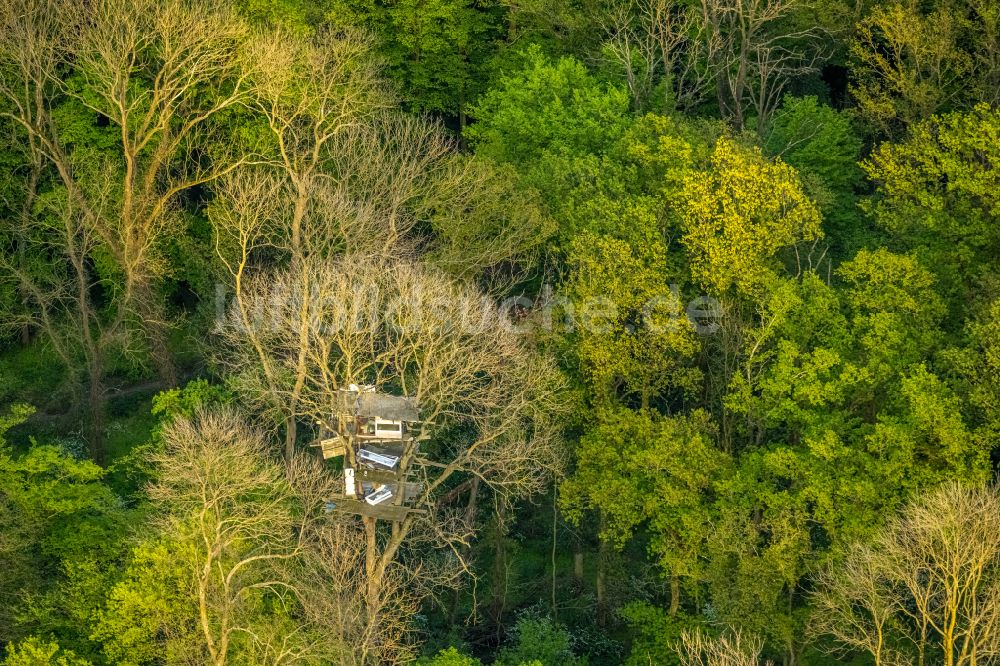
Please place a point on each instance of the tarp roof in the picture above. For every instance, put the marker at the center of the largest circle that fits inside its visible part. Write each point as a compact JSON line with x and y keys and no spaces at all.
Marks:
{"x":381,"y":405}
{"x":390,"y":407}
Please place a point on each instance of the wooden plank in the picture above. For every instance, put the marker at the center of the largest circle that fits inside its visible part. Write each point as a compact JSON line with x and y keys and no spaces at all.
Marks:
{"x":360,"y":507}
{"x":330,"y":447}
{"x":376,"y":475}
{"x":334,"y":451}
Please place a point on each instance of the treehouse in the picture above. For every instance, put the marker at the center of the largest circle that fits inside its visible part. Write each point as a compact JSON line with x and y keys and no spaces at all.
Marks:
{"x":363,"y":417}
{"x":374,"y":433}
{"x":383,"y":417}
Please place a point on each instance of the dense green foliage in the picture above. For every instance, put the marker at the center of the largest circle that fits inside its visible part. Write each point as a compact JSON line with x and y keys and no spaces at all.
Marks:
{"x":763,"y":261}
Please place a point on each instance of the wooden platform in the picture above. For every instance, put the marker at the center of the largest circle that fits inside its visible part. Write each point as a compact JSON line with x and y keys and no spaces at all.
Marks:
{"x":333,"y":446}
{"x":362,"y":508}
{"x":369,"y":479}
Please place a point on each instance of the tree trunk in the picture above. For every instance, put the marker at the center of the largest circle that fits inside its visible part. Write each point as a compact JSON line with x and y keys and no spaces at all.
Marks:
{"x":470,"y":516}
{"x":155,"y":328}
{"x":97,"y":402}
{"x":555,"y":525}
{"x":291,"y":434}
{"x":578,"y":566}
{"x":601,"y":582}
{"x":498,"y":603}
{"x":793,"y":655}
{"x":675,"y":594}
{"x":462,"y":122}
{"x":21,"y":239}
{"x":372,"y":574}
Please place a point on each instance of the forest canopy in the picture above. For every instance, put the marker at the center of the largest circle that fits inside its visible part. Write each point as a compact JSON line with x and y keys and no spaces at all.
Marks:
{"x":462,"y":332}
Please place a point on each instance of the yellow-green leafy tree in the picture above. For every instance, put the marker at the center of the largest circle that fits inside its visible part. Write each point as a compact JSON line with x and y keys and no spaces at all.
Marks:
{"x":939,"y":195}
{"x":738,"y":214}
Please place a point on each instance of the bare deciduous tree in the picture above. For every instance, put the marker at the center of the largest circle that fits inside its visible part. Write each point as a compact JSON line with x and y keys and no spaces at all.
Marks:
{"x":268,"y":575}
{"x":320,"y":98}
{"x":409,"y":331}
{"x":748,"y":49}
{"x":729,"y":649}
{"x":927,"y":584}
{"x":660,"y":43}
{"x":857,"y":606}
{"x":233,"y":509}
{"x":760,"y":50}
{"x":353,"y":199}
{"x":159,"y":72}
{"x":378,"y":179}
{"x":334,"y":596}
{"x":345,"y":175}
{"x":59,"y":302}
{"x":311,"y":93}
